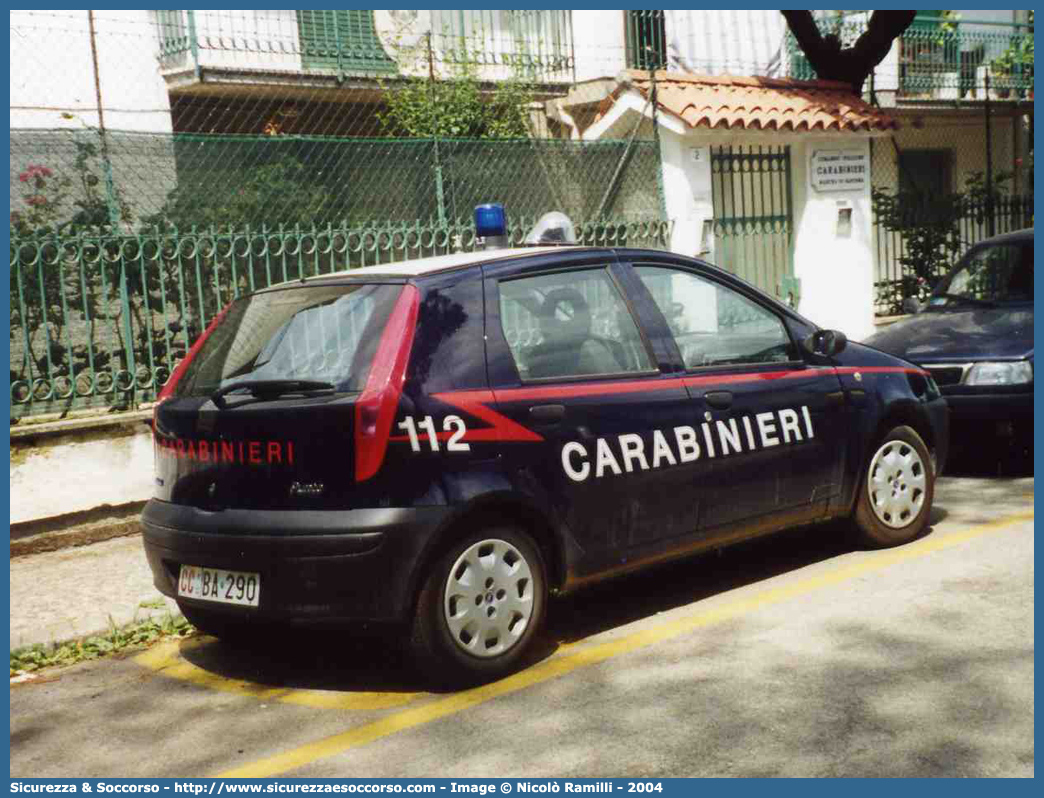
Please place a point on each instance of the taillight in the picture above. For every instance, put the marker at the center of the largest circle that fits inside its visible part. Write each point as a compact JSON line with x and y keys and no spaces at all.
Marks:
{"x":172,"y":380}
{"x":375,"y":409}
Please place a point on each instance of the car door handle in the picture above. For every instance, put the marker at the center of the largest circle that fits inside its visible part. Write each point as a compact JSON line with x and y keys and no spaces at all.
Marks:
{"x":719,"y":400}
{"x":547,"y":414}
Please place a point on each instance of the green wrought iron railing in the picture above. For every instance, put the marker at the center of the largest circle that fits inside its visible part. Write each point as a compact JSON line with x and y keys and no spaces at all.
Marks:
{"x":100,"y":318}
{"x":753,"y":215}
{"x":532,"y":44}
{"x":646,"y":38}
{"x":896,"y":280}
{"x":944,"y":57}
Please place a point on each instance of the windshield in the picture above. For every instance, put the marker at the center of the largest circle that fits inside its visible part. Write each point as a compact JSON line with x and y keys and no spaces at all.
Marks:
{"x":316,"y":333}
{"x":999,"y":273}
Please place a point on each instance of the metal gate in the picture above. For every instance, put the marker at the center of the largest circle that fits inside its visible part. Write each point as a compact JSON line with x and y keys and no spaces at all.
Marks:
{"x":753,"y":220}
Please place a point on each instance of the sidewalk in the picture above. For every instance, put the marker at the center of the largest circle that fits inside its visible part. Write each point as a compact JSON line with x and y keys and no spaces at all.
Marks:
{"x":71,"y":593}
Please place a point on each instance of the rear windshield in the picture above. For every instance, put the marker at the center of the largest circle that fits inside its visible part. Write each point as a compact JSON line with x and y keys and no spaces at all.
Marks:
{"x":322,"y":333}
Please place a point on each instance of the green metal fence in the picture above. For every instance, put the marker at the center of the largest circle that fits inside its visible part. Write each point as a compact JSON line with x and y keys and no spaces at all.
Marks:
{"x":99,"y":318}
{"x":753,"y":216}
{"x":537,"y":44}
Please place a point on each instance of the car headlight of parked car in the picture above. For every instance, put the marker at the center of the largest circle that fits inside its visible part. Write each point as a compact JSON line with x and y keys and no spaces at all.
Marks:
{"x":1017,"y":373}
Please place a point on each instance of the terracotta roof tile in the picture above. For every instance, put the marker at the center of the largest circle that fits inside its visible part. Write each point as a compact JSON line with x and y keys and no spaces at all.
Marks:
{"x":751,"y":103}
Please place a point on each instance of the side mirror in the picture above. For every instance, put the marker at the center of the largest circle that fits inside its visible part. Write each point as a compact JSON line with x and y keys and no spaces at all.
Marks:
{"x":912,"y":305}
{"x":826,"y":342}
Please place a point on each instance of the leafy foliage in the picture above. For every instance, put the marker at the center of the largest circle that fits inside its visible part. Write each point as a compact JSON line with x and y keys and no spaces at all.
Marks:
{"x":459,"y":108}
{"x":244,"y":199}
{"x":1018,"y":57}
{"x":117,"y":639}
{"x":930,"y":226}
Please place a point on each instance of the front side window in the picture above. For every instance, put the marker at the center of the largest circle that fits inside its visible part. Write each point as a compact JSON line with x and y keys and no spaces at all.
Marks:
{"x":1002,"y":273}
{"x":570,"y":324}
{"x":713,"y":324}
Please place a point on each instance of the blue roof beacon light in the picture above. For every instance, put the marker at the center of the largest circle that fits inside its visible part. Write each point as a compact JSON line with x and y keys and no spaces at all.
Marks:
{"x":491,"y":226}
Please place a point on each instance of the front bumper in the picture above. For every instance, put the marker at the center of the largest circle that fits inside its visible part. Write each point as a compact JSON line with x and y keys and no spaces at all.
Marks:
{"x":990,"y":406}
{"x":939,"y":417}
{"x":351,"y":565}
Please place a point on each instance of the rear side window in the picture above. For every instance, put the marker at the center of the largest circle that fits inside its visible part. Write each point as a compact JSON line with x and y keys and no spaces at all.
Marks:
{"x":323,"y":333}
{"x":714,"y":325}
{"x":570,"y":324}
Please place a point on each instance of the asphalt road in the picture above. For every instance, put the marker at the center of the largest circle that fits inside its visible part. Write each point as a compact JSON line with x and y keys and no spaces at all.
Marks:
{"x":793,"y":656}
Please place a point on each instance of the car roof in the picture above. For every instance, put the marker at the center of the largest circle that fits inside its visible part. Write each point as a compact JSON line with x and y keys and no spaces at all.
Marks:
{"x":1015,"y":236}
{"x":439,"y":263}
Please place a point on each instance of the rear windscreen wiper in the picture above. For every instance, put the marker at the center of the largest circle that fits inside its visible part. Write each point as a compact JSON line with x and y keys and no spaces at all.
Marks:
{"x":270,"y":389}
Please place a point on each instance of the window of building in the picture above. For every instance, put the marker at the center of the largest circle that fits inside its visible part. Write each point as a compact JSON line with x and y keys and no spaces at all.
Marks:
{"x":646,"y":39}
{"x":926,"y":172}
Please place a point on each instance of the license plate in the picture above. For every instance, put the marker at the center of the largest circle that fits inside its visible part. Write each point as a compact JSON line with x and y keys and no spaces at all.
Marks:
{"x":215,"y":584}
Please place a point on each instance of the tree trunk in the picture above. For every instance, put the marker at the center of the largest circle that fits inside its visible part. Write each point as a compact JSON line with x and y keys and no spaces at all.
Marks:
{"x":850,"y":64}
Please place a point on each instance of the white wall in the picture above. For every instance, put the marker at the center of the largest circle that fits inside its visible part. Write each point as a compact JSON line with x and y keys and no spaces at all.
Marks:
{"x":76,"y":475}
{"x":52,"y":71}
{"x":53,"y":89}
{"x":598,"y":43}
{"x":687,"y":192}
{"x":836,"y":272}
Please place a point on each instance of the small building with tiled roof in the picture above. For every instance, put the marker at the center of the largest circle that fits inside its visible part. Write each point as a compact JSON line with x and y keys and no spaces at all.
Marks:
{"x":766,"y":177}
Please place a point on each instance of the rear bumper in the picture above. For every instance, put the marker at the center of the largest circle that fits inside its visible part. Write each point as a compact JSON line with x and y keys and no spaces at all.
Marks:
{"x":351,"y":565}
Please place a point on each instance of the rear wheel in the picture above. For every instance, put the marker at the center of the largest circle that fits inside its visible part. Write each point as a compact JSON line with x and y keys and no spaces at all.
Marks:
{"x":481,"y":606}
{"x":895,"y":495}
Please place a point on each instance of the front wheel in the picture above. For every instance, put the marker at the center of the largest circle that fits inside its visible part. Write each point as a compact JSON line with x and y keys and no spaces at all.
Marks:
{"x":481,"y":606}
{"x":895,"y":495}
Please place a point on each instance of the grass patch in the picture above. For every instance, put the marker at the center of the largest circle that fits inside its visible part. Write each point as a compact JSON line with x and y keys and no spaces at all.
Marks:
{"x":137,"y":634}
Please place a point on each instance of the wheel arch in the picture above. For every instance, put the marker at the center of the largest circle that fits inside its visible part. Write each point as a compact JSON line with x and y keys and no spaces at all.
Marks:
{"x":505,"y":509}
{"x":909,"y":414}
{"x":902,"y":413}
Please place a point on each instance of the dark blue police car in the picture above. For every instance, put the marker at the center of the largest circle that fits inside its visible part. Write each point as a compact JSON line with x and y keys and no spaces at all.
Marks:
{"x":445,"y":442}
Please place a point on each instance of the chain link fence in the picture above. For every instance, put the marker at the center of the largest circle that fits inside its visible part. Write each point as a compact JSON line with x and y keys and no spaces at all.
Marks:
{"x":164,"y":162}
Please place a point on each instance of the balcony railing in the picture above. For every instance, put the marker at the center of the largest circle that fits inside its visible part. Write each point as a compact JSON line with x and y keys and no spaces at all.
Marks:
{"x":942,"y":58}
{"x":491,"y":45}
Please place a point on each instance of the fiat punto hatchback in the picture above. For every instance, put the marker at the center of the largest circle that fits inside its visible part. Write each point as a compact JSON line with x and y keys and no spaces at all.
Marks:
{"x":446,"y":442}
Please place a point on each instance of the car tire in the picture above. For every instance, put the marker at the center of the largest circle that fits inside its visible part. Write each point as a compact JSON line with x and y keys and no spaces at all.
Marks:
{"x":481,"y":604}
{"x":896,"y":490}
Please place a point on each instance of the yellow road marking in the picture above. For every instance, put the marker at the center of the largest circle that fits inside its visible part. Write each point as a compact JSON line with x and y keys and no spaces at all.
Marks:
{"x":561,"y":665}
{"x":166,"y":659}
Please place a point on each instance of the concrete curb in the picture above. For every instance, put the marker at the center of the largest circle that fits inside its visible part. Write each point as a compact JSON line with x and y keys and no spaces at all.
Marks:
{"x":76,"y":529}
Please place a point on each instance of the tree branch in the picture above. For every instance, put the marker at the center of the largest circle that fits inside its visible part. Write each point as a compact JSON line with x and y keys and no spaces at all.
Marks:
{"x":851,"y":64}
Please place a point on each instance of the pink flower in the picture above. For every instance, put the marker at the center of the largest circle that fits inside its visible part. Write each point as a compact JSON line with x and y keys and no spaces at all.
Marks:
{"x":36,"y":200}
{"x":35,"y":170}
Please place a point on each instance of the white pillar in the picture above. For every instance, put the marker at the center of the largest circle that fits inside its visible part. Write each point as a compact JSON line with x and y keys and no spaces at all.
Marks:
{"x":833,"y":256}
{"x":687,"y":192}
